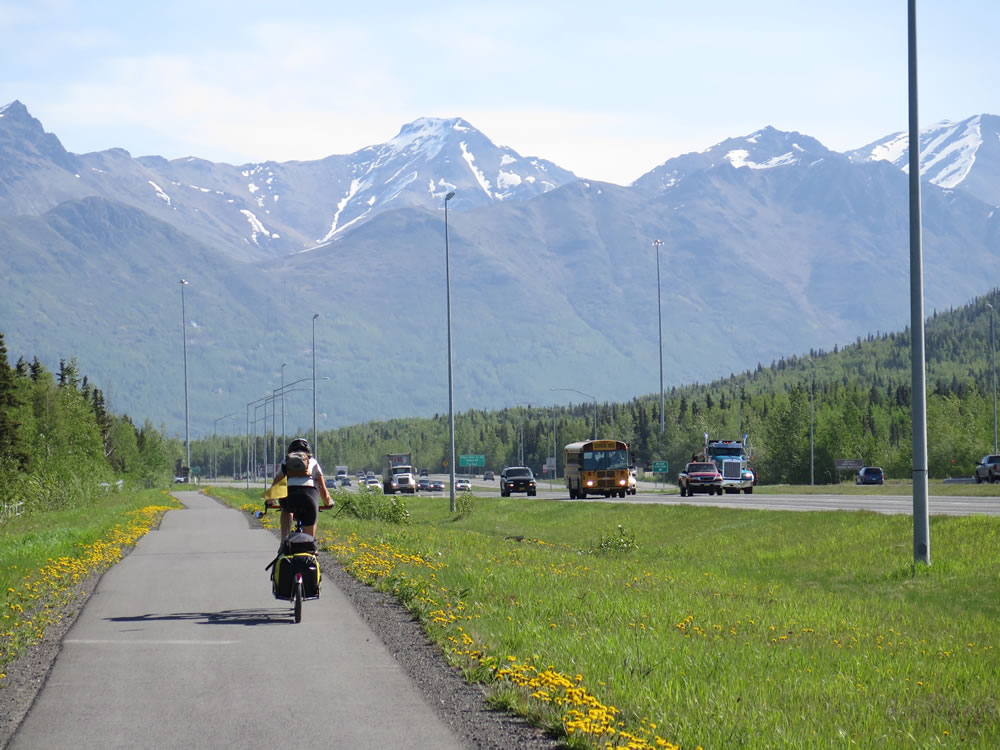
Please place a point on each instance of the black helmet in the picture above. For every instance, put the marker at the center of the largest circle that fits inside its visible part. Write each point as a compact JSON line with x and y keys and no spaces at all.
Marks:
{"x":299,"y":444}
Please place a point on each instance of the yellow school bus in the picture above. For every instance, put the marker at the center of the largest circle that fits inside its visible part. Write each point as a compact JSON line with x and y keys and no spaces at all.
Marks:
{"x":596,"y":467}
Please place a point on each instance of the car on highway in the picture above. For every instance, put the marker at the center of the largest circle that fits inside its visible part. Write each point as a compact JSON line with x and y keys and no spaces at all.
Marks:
{"x":870,"y":475}
{"x":331,"y":483}
{"x":423,"y":484}
{"x":988,"y":469}
{"x":373,"y":483}
{"x":437,"y":485}
{"x":633,"y":483}
{"x":423,"y":472}
{"x":700,"y":476}
{"x":345,"y":481}
{"x":488,"y":476}
{"x":463,"y":485}
{"x":517,"y":479}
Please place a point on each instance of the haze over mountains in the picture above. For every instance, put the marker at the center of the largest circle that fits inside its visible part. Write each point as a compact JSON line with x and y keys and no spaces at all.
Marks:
{"x":772,"y":245}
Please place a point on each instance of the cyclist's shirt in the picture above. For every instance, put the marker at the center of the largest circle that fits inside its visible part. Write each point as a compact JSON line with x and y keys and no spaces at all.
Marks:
{"x":315,"y":472}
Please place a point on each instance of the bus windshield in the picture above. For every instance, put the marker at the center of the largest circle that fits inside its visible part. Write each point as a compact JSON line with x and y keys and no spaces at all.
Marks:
{"x":605,"y":460}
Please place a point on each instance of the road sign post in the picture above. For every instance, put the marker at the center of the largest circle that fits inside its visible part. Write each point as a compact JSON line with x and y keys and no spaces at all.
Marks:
{"x":661,"y":467}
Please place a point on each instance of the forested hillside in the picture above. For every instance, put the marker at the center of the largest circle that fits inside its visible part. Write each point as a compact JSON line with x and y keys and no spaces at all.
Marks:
{"x":861,"y":409}
{"x":60,"y":445}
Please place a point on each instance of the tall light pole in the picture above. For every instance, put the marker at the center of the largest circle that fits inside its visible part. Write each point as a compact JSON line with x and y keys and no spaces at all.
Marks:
{"x":993,"y":358}
{"x":451,"y":386}
{"x":588,"y":395}
{"x":215,"y":449}
{"x":659,"y":323}
{"x":918,"y":362}
{"x":283,"y":405}
{"x":812,"y":454}
{"x":187,"y":424}
{"x":315,"y":440}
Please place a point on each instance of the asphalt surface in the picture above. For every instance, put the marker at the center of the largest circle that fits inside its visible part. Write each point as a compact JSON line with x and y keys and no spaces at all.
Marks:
{"x":182,"y":645}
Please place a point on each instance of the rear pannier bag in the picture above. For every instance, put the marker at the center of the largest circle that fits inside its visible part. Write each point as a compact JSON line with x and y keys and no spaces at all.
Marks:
{"x":283,"y":575}
{"x":297,"y":542}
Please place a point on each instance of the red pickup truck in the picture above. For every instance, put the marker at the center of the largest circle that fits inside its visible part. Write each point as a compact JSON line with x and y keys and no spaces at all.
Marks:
{"x":700,"y":476}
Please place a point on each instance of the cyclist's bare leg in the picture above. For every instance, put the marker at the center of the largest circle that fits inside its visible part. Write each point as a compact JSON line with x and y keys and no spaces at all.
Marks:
{"x":286,"y":523}
{"x":310,"y":530}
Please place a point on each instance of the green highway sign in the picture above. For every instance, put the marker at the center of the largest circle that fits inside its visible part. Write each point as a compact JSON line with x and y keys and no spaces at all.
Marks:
{"x":660,"y":467}
{"x":472,"y":459}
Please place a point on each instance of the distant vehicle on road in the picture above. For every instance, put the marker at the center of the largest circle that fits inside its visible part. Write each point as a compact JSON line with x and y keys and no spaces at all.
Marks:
{"x":345,"y":481}
{"x":463,"y":485}
{"x":437,"y":485}
{"x":870,"y":475}
{"x":988,"y":469}
{"x":596,"y":467}
{"x":489,"y":476}
{"x":700,"y":476}
{"x":423,"y":484}
{"x":373,"y":483}
{"x":517,"y":479}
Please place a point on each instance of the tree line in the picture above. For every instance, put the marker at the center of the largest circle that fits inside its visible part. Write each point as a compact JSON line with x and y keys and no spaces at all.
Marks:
{"x":60,"y":443}
{"x":801,"y":414}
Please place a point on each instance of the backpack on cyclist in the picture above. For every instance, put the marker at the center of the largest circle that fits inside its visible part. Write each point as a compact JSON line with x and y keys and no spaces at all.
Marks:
{"x":297,"y":464}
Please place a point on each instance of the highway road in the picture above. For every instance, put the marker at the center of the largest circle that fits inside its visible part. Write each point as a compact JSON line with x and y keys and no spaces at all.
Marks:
{"x":650,"y":493}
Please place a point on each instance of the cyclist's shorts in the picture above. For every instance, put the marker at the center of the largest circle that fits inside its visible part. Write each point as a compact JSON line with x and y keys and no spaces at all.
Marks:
{"x":303,"y":503}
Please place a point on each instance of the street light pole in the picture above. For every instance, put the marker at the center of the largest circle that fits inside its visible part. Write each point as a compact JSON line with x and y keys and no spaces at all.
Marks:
{"x":215,"y":448}
{"x":812,"y":454}
{"x":918,"y":361}
{"x":588,"y":395}
{"x":283,"y":405}
{"x":659,"y":323}
{"x":187,"y":424}
{"x":451,"y":386}
{"x":315,"y":439}
{"x":993,"y":358}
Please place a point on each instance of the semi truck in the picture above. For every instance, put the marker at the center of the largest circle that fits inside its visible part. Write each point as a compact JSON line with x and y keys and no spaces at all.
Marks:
{"x":733,"y":459}
{"x":392,"y":464}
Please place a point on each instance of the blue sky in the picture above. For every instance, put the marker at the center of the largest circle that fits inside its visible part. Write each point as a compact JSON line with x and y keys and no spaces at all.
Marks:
{"x":607,"y":90}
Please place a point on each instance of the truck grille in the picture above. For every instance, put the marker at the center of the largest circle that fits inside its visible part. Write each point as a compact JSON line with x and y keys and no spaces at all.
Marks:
{"x":732,"y":470}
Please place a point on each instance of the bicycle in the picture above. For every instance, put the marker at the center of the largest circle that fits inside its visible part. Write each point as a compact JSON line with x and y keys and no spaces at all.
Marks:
{"x":298,"y":579}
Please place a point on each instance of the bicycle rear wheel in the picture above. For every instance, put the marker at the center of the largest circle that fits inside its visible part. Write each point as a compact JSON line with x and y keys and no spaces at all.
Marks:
{"x":297,"y":596}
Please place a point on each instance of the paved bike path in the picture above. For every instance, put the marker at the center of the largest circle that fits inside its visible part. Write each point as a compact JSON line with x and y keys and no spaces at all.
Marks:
{"x":182,"y":646}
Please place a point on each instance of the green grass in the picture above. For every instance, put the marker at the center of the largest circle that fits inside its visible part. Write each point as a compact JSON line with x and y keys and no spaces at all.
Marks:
{"x":935,"y":487}
{"x":722,"y":628}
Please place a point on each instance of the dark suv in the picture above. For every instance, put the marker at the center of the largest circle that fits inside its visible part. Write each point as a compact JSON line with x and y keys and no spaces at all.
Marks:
{"x":988,"y":469}
{"x":517,"y":479}
{"x":870,"y":475}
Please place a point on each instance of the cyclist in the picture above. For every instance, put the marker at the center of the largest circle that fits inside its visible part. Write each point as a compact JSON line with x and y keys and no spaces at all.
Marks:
{"x":305,"y":485}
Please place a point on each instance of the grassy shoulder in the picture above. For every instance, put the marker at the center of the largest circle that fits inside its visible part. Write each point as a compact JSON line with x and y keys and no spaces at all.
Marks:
{"x":660,"y":626}
{"x":935,"y":488}
{"x":44,"y":556}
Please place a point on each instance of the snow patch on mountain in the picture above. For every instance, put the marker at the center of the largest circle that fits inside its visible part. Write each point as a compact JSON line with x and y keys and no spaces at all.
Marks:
{"x":159,"y":192}
{"x":480,"y":177}
{"x":741,"y":158}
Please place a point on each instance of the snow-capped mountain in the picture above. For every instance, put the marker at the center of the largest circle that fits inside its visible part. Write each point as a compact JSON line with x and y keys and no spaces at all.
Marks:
{"x":767,"y":148}
{"x":772,"y":244}
{"x":429,"y":158}
{"x":260,"y":210}
{"x":961,"y":155}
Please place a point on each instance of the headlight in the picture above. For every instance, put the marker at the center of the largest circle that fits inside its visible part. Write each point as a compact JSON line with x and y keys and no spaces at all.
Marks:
{"x":590,"y":482}
{"x":622,"y":482}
